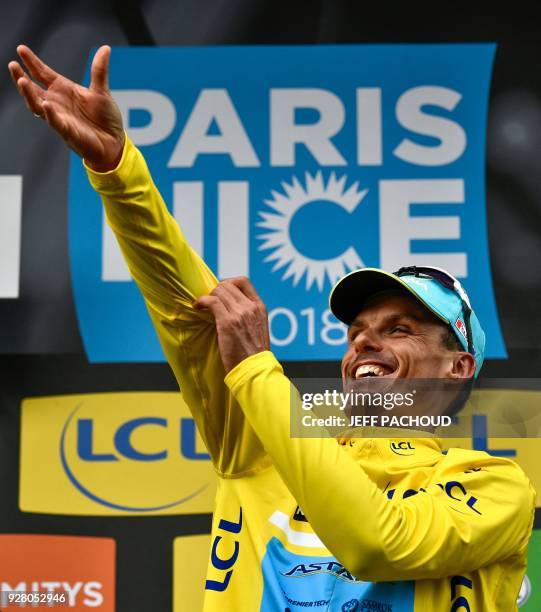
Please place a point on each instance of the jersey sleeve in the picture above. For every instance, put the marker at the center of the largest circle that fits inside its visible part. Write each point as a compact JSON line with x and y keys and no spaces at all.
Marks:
{"x":171,"y":276}
{"x":436,"y":533}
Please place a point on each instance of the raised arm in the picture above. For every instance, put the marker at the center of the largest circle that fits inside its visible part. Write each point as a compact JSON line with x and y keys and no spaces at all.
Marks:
{"x":170,"y":275}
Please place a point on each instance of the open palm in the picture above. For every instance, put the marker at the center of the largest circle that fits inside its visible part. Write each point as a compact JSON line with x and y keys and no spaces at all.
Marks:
{"x":88,"y":119}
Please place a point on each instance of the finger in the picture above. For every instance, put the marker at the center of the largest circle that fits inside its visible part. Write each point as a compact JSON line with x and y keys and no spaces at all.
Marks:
{"x":15,"y":71}
{"x":99,"y":72}
{"x":213,"y":304}
{"x":232,"y":295}
{"x":232,"y":298}
{"x":245,"y":286}
{"x":37,"y":69}
{"x":32,"y":94}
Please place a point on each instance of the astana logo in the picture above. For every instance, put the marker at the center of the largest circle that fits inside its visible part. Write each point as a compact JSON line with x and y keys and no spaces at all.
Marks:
{"x":284,"y":254}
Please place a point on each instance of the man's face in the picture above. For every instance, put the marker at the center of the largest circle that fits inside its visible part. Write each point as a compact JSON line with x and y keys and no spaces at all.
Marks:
{"x":394,"y":336}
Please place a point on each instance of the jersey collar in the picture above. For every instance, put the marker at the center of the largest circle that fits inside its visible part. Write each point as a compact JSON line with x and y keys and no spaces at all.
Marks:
{"x":389,"y":443}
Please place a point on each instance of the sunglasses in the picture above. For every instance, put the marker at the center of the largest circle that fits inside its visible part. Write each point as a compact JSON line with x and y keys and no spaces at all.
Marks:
{"x":449,"y":282}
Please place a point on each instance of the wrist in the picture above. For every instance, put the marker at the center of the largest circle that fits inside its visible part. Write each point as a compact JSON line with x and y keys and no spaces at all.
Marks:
{"x":232,"y":362}
{"x":110,"y":160}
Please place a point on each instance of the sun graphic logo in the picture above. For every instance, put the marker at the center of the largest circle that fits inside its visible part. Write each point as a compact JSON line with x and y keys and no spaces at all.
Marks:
{"x":286,"y":204}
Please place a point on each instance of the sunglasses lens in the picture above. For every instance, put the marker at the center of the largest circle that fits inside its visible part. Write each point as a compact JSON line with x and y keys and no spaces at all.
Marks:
{"x":436,"y":273}
{"x":445,"y":279}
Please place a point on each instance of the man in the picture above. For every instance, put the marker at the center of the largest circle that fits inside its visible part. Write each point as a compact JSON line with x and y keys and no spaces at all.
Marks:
{"x":307,"y":523}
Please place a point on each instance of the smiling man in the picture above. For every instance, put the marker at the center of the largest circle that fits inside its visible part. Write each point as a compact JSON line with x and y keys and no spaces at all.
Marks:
{"x":415,"y":327}
{"x":345,"y":525}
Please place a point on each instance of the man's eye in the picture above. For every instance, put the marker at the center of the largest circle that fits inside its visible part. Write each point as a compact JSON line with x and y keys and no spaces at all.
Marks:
{"x":399,"y":329}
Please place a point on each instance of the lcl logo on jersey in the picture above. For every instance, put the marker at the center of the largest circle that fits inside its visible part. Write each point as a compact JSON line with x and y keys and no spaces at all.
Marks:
{"x":402,"y":448}
{"x":294,"y":165}
{"x":117,"y":453}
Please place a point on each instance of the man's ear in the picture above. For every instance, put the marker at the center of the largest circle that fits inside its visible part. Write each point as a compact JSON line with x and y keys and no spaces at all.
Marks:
{"x":463,"y":365}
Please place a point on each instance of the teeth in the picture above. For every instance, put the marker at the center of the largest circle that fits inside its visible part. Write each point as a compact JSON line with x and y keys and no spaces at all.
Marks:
{"x":368,"y":369}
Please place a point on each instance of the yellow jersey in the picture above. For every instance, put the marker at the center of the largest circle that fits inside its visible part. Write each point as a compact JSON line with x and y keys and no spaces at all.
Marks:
{"x":348,"y":525}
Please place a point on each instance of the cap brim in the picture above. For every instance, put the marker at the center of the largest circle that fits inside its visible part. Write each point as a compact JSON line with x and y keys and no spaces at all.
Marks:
{"x":352,"y":291}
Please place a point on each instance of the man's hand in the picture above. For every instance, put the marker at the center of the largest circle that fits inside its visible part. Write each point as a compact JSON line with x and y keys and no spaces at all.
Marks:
{"x":241,"y":320}
{"x":88,"y":119}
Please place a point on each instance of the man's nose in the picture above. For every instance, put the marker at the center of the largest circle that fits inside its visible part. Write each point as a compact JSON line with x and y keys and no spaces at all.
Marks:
{"x":366,"y":341}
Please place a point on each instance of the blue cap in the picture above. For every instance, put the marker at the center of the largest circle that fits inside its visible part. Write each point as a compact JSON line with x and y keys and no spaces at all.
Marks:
{"x":351,"y":292}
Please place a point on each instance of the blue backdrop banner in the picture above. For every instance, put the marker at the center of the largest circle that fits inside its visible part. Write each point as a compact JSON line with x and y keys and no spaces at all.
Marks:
{"x":294,"y":165}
